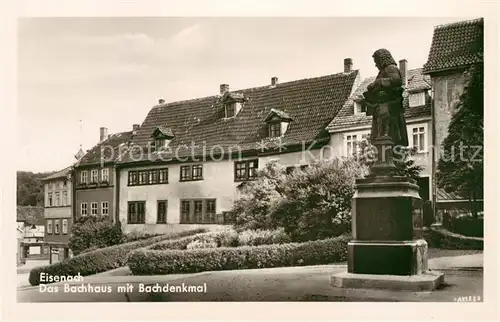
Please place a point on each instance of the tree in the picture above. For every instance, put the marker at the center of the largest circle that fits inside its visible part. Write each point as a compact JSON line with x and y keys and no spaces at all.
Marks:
{"x":30,"y":188}
{"x":92,"y":232}
{"x":460,"y":168}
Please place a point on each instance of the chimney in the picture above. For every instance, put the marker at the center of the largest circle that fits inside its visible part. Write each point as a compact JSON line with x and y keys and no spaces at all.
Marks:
{"x":274,"y":81}
{"x":224,"y":88}
{"x":403,"y":67}
{"x":103,"y":134}
{"x":135,"y":127}
{"x":161,"y":101}
{"x":347,"y":65}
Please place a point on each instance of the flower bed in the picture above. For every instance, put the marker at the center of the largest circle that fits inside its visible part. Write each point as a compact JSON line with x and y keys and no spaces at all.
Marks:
{"x":225,"y":238}
{"x":152,"y":260}
{"x":101,"y":260}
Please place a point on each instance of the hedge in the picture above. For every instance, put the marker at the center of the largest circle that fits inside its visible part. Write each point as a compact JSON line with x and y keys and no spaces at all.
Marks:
{"x":101,"y":260}
{"x":151,"y":262}
{"x":442,"y":238}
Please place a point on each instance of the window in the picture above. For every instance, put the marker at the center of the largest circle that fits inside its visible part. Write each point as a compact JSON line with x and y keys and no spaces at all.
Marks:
{"x":161,"y":217}
{"x":146,"y":177}
{"x":359,"y":108}
{"x":57,"y":200}
{"x":275,"y":130}
{"x":160,"y":144}
{"x":198,"y":211}
{"x":416,"y":99}
{"x":185,"y":211}
{"x":50,"y":199}
{"x":245,"y":170}
{"x":93,"y":208}
{"x":136,"y":212}
{"x":132,"y":178}
{"x":65,"y":201}
{"x":229,"y":109}
{"x":83,"y":209}
{"x":197,"y":171}
{"x":94,"y":176}
{"x":353,"y":141}
{"x":105,"y":175}
{"x":83,"y":177}
{"x":56,"y":227}
{"x":163,"y":176}
{"x":418,"y":138}
{"x":191,"y":172}
{"x":104,"y":208}
{"x":65,"y":226}
{"x":209,"y":216}
{"x":65,"y":184}
{"x":49,"y":226}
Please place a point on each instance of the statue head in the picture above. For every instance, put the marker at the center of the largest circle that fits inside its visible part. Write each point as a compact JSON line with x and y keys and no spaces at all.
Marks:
{"x":383,"y":58}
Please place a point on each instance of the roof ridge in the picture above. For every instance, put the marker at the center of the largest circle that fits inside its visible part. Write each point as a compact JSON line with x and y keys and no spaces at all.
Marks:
{"x":457,"y":23}
{"x":167,"y":104}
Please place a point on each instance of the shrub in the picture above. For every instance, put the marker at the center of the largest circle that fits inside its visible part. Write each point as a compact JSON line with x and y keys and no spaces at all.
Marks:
{"x":263,"y":237}
{"x":316,"y":202}
{"x":196,"y":244}
{"x":134,"y":236}
{"x":252,"y":210}
{"x":442,"y":238}
{"x":94,"y":232}
{"x":100,"y":260}
{"x":172,"y":261}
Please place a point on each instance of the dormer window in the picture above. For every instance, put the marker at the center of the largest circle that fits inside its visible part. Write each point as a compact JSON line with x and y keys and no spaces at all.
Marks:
{"x":232,"y":103}
{"x":275,"y":130}
{"x":230,"y":109}
{"x":278,"y":122}
{"x":359,"y":108}
{"x":162,"y":137}
{"x":416,"y":99}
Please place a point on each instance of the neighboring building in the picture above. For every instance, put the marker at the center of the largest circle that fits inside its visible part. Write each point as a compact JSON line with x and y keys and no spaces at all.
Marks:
{"x":58,"y":213}
{"x":455,"y":48}
{"x":188,"y":158}
{"x":95,"y":177}
{"x":352,"y":125}
{"x":31,"y":223}
{"x":20,"y":260}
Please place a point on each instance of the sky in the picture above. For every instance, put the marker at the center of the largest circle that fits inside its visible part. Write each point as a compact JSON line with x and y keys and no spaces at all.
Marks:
{"x":109,"y":72}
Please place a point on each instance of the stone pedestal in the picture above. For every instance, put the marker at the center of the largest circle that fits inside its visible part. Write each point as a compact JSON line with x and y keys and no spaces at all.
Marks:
{"x":387,"y":247}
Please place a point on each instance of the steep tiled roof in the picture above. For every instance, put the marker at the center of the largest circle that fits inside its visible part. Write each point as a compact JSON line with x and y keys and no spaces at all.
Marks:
{"x":279,"y":113}
{"x":31,"y":215}
{"x":107,"y":150}
{"x":312,"y":103}
{"x":59,"y":174}
{"x":455,"y":45}
{"x":417,"y":82}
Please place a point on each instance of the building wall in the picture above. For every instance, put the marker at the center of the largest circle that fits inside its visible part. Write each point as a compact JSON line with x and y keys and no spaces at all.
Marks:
{"x":338,"y":145}
{"x":95,"y":195}
{"x":57,"y":186}
{"x":218,"y":183}
{"x":447,"y":91}
{"x":111,"y":171}
{"x":60,"y":238}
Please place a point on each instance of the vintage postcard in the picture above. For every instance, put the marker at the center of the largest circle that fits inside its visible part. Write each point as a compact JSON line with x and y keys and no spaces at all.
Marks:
{"x":256,"y":159}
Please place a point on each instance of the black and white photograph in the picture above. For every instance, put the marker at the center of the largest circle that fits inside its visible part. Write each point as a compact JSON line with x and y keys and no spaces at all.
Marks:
{"x":250,"y":159}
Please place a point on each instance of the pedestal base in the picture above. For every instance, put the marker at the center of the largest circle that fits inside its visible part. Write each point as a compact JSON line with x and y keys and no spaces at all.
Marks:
{"x":389,"y":258}
{"x":428,"y":281}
